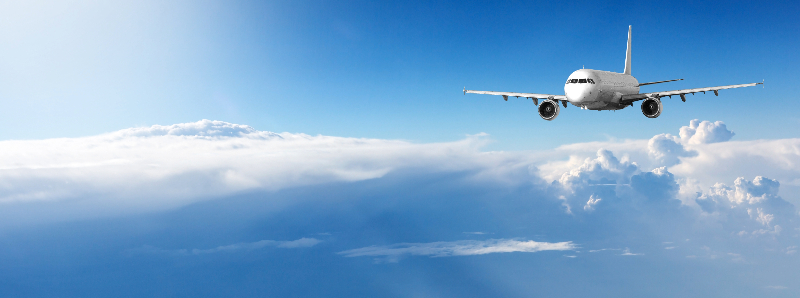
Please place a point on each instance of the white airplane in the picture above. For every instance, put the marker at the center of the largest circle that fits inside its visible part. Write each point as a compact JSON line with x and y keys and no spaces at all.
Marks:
{"x":604,"y":90}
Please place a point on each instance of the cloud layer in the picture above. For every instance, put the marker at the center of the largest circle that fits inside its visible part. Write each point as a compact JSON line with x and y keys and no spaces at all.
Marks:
{"x":162,"y":167}
{"x":244,"y":246}
{"x":392,"y":253}
{"x":664,"y":203}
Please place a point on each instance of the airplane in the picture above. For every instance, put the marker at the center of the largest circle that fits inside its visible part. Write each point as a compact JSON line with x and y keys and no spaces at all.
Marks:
{"x":598,"y":90}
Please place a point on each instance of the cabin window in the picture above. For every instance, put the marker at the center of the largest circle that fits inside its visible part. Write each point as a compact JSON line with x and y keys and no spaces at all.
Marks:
{"x":573,"y":81}
{"x":582,"y":81}
{"x":590,"y":81}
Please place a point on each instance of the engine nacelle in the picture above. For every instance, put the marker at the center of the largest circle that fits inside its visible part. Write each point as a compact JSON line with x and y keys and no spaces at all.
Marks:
{"x":651,"y":107}
{"x":548,"y":110}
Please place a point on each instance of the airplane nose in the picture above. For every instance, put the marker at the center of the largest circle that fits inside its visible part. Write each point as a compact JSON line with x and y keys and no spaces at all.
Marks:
{"x":582,"y":93}
{"x":576,"y":95}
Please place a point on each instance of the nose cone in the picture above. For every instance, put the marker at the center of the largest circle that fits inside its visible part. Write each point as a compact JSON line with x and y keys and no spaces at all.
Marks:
{"x":580,"y":86}
{"x":579,"y":92}
{"x":575,"y":94}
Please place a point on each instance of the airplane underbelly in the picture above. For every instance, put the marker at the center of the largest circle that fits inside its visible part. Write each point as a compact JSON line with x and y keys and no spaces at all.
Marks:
{"x":609,"y":96}
{"x":605,"y":100}
{"x":595,"y":105}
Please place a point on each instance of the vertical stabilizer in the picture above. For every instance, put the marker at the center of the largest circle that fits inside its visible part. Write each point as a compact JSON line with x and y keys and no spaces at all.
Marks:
{"x":628,"y":54}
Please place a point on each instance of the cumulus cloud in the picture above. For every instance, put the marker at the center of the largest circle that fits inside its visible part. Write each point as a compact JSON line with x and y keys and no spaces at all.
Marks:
{"x":698,"y":159}
{"x":244,"y":246}
{"x":593,"y":201}
{"x":620,"y":183}
{"x":667,"y":149}
{"x":761,"y":192}
{"x":604,"y":169}
{"x":705,"y":132}
{"x":755,"y":202}
{"x":658,"y":185}
{"x":392,"y":253}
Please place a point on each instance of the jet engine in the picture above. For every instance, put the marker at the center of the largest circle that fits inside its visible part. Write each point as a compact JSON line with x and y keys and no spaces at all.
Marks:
{"x":651,"y":107}
{"x":548,"y":109}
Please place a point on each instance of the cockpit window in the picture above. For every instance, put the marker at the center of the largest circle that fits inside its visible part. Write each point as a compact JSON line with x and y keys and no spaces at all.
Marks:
{"x":580,"y":81}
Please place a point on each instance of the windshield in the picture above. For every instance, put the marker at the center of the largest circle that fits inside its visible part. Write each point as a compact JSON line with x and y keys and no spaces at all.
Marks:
{"x":580,"y":81}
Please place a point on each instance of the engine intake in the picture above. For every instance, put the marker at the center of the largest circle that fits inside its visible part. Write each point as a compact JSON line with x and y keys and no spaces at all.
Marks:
{"x":651,"y":107}
{"x":548,"y":110}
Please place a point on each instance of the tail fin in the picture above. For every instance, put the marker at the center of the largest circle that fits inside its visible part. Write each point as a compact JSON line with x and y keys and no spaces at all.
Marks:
{"x":628,"y":54}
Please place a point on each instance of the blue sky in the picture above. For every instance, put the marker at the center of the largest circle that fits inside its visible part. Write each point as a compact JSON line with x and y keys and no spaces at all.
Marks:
{"x":385,"y":70}
{"x":341,"y":159}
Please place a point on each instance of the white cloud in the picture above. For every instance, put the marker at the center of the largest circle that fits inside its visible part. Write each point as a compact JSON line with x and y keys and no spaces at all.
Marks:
{"x":392,"y":253}
{"x":698,"y":159}
{"x":667,"y":149}
{"x":244,"y":246}
{"x":604,"y":249}
{"x":162,"y":167}
{"x":705,"y":132}
{"x":593,"y":201}
{"x":604,"y":169}
{"x":761,"y":217}
{"x":736,"y":257}
{"x":754,"y":204}
{"x":627,"y":252}
{"x":202,"y":128}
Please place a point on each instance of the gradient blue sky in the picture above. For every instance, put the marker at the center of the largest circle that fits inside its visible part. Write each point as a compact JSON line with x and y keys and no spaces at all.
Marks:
{"x":341,"y":158}
{"x":386,"y":69}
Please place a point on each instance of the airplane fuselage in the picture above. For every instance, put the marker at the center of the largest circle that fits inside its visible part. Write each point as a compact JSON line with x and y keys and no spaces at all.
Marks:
{"x":599,"y":90}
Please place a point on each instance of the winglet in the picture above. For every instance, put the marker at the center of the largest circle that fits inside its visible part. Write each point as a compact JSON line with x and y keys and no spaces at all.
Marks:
{"x":465,"y":90}
{"x":628,"y":54}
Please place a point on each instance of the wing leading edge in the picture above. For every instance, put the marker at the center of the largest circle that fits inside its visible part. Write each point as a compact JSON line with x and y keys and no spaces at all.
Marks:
{"x":505,"y":95}
{"x":630,"y":98}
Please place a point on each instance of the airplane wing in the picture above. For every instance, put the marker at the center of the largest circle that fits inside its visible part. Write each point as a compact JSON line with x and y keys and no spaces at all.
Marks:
{"x":630,"y":98}
{"x":517,"y":94}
